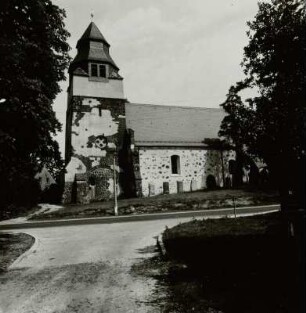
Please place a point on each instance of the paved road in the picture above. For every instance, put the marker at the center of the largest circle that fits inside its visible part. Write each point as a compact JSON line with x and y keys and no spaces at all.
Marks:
{"x":22,"y":223}
{"x":83,"y":268}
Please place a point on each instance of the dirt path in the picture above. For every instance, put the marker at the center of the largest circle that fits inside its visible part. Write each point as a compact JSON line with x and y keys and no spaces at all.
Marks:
{"x":85,"y":287}
{"x":83,"y":269}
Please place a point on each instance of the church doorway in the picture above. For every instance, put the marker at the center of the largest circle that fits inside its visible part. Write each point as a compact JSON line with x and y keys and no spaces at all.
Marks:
{"x":211,"y":182}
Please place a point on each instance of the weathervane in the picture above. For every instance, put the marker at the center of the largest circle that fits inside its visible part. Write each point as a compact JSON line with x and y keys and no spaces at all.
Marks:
{"x":92,"y":16}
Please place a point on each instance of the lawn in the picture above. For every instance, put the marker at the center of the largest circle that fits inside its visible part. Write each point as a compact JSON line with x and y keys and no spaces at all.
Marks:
{"x":12,"y":246}
{"x":234,"y":265}
{"x":165,"y":203}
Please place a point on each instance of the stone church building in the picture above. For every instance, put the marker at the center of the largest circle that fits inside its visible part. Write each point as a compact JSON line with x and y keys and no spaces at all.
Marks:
{"x":141,"y":150}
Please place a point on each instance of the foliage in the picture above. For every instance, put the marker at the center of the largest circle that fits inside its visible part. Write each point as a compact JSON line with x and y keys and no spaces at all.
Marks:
{"x":246,"y":264}
{"x":34,"y":56}
{"x":271,"y":125}
{"x":217,"y":144}
{"x":221,"y":145}
{"x":52,"y":194}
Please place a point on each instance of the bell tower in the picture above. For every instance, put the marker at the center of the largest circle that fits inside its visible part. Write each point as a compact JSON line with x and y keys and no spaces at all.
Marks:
{"x":95,"y":121}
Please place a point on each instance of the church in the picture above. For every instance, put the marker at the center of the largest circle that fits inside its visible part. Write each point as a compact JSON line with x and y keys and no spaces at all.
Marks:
{"x":132,"y":149}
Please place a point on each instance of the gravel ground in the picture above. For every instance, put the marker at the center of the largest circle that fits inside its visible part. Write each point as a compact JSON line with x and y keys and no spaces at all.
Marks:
{"x":173,"y":292}
{"x":84,"y":269}
{"x":77,"y":288}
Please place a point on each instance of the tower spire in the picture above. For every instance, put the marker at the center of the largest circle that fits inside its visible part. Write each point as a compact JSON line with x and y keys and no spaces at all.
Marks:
{"x":92,"y":47}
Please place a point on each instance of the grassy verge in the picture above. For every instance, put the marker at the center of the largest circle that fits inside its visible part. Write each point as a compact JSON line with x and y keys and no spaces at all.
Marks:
{"x":166,"y":203}
{"x":234,"y":265}
{"x":12,"y":246}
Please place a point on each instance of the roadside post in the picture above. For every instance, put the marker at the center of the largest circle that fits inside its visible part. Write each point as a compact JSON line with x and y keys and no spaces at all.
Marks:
{"x":234,"y":203}
{"x":113,"y":150}
{"x":115,"y":186}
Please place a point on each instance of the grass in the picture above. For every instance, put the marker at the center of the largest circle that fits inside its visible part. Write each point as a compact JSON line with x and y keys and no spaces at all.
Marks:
{"x":165,"y":203}
{"x":225,"y":227}
{"x":12,"y":246}
{"x":234,"y":265}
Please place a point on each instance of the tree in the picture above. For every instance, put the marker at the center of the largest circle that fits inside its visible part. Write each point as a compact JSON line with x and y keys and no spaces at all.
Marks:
{"x":219,"y":145}
{"x":272,"y":125}
{"x":34,"y":56}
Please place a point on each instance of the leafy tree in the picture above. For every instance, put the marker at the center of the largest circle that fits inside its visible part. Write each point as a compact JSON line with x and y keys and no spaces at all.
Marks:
{"x":33,"y":58}
{"x":272,"y":125}
{"x":219,"y":145}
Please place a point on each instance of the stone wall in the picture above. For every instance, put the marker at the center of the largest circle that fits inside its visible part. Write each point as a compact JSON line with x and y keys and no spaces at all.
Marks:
{"x":97,"y":132}
{"x":196,"y":164}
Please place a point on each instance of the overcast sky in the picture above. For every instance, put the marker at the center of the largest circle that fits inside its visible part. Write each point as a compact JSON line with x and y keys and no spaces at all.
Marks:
{"x":171,"y":52}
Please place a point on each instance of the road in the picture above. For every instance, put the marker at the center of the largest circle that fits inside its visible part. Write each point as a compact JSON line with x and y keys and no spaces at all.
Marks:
{"x":83,"y":268}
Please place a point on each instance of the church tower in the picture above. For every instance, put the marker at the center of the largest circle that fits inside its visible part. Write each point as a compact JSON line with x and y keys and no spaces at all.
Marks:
{"x":95,"y":121}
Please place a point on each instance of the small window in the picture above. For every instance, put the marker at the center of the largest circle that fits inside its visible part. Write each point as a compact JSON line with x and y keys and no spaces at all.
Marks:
{"x":175,"y":164}
{"x":102,"y":69}
{"x":94,"y":70}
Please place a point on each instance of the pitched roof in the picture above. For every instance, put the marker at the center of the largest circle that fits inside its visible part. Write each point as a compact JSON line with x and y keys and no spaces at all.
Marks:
{"x":96,"y":53}
{"x":158,"y":125}
{"x":92,"y":32}
{"x":79,"y":72}
{"x":92,"y":47}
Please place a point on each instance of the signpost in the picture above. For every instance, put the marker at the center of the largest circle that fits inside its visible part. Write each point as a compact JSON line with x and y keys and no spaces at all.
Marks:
{"x":115,"y":186}
{"x":113,"y":150}
{"x":234,"y":203}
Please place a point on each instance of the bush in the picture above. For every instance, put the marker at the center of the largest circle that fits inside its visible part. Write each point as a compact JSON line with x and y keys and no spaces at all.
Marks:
{"x":18,"y":196}
{"x":244,"y":264}
{"x":52,"y":194}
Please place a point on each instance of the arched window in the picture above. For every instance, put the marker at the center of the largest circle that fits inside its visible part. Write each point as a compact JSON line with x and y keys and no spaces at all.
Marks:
{"x":211,"y":182}
{"x":175,"y":164}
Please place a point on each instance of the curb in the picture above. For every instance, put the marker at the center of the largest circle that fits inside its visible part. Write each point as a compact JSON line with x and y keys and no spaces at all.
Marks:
{"x":32,"y":249}
{"x":142,"y":217}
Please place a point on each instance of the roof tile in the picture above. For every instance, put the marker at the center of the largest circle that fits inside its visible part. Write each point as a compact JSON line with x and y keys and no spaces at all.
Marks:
{"x":172,"y":125}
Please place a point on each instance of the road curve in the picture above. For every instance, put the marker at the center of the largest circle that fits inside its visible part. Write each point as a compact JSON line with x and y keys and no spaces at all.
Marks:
{"x":212,"y":213}
{"x":84,"y":268}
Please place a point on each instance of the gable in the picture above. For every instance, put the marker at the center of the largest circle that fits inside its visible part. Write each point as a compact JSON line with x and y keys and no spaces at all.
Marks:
{"x":172,"y":125}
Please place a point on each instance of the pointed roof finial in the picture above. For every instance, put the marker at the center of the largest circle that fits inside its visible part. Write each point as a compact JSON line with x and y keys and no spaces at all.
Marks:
{"x":92,"y":16}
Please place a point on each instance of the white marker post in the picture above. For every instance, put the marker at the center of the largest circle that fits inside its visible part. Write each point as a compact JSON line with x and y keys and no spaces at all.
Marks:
{"x":115,"y":186}
{"x":234,"y":207}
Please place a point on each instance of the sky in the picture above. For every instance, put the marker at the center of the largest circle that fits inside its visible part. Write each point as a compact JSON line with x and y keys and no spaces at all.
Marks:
{"x":170,"y":52}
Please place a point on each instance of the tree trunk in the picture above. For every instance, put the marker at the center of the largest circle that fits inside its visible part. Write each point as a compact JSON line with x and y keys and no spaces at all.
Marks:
{"x":222,"y":166}
{"x":238,"y":170}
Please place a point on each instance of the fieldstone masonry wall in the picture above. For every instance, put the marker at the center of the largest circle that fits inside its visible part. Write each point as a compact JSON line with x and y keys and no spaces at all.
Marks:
{"x":97,"y":131}
{"x":195,"y":166}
